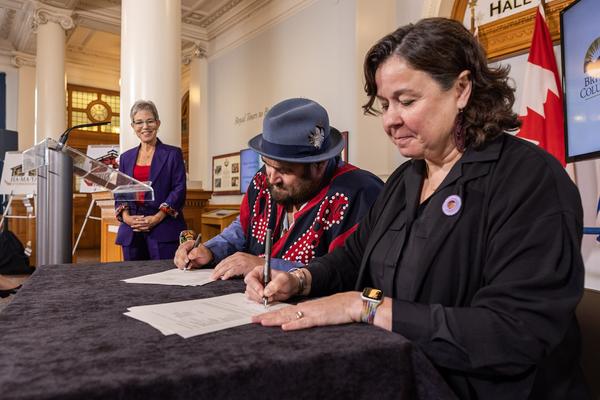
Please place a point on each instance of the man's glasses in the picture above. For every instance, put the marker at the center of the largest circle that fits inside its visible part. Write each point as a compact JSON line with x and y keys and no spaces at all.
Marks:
{"x":149,"y":122}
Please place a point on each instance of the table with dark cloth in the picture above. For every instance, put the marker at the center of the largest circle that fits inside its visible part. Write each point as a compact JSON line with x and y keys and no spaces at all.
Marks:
{"x":64,"y":336}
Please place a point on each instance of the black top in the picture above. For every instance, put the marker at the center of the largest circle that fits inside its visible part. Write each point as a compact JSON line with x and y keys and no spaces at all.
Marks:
{"x":488,"y":292}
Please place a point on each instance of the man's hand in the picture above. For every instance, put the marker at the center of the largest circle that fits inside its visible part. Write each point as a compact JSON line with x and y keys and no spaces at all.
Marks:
{"x":197,"y":257}
{"x":238,"y":264}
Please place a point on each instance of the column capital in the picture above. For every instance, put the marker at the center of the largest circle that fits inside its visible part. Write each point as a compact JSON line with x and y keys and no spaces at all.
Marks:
{"x":45,"y":13}
{"x":194,"y":51}
{"x":19,"y":59}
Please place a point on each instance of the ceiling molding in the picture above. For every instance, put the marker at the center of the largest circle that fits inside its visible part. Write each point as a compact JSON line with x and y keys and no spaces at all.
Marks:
{"x":220,"y":12}
{"x":191,"y":52}
{"x":105,"y":20}
{"x":23,"y":35}
{"x":215,"y":26}
{"x":234,"y":16}
{"x":46,"y":13}
{"x":20,"y":59}
{"x":271,"y":13}
{"x":193,"y":33}
{"x":16,"y":5}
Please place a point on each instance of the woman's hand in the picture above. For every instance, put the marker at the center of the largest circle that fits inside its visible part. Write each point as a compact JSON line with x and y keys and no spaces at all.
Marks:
{"x":153,"y":220}
{"x":283,"y":285}
{"x":136,"y":222}
{"x":341,"y":308}
{"x":197,"y":257}
{"x":143,"y":223}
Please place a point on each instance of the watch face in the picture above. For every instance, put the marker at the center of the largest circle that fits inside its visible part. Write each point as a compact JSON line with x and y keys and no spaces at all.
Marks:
{"x":99,"y":112}
{"x":372,"y":294}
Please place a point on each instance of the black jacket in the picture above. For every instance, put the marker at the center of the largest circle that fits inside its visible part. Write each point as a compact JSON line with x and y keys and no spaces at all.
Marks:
{"x":495,"y":287}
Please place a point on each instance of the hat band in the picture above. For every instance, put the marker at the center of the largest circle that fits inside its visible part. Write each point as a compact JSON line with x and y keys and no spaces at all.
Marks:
{"x":292,"y":150}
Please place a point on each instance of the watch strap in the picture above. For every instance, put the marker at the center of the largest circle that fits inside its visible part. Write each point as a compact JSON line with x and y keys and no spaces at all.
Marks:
{"x":369,"y":308}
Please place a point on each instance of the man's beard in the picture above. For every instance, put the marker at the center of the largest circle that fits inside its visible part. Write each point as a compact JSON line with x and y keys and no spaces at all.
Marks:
{"x":306,"y":189}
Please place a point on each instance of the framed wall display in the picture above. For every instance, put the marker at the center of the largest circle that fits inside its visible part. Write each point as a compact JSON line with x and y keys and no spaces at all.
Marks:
{"x":226,"y":174}
{"x":505,"y":27}
{"x":345,"y":149}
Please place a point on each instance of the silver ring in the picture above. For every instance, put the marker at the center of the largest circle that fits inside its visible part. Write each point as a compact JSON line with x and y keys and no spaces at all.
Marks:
{"x":299,"y":314}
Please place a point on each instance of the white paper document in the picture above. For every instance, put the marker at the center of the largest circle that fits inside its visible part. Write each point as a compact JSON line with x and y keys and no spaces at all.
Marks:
{"x":176,"y":276}
{"x":197,"y":317}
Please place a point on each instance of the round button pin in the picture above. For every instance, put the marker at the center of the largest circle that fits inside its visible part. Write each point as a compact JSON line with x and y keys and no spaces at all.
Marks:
{"x":451,"y":205}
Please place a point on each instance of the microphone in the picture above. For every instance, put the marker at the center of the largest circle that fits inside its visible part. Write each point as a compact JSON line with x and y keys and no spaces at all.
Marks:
{"x":65,"y":136}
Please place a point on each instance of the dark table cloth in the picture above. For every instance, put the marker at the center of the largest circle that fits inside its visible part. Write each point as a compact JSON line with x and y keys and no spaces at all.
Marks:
{"x":64,"y":336}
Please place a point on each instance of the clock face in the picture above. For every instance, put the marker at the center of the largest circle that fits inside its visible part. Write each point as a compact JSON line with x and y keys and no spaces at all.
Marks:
{"x":98,"y":112}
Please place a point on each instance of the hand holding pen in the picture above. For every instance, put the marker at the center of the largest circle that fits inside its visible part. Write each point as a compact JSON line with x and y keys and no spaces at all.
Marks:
{"x":184,"y":259}
{"x":267,"y":266}
{"x":196,"y":243}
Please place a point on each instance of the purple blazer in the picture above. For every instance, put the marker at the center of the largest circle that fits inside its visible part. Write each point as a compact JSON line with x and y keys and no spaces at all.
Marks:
{"x":167,"y":174}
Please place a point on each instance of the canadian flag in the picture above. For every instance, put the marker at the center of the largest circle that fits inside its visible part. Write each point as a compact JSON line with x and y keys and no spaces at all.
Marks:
{"x":541,"y":111}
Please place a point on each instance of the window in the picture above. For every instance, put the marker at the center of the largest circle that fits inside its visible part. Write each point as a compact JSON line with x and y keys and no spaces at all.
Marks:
{"x":88,"y":104}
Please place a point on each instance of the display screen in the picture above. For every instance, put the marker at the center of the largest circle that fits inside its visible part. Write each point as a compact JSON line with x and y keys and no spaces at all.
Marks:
{"x":250,"y":163}
{"x":580,"y":46}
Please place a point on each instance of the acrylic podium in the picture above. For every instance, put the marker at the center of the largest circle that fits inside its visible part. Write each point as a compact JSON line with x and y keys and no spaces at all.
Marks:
{"x":55,"y":164}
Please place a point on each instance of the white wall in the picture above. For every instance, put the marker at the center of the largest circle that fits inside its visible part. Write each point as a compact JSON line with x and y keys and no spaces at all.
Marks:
{"x":311,"y":54}
{"x":317,"y":53}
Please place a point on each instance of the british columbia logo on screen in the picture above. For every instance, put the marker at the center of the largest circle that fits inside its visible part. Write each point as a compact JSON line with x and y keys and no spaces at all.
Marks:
{"x":591,"y":70}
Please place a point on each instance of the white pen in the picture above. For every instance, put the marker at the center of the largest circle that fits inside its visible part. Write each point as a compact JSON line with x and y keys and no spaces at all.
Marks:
{"x":196,"y":243}
{"x":267,"y":266}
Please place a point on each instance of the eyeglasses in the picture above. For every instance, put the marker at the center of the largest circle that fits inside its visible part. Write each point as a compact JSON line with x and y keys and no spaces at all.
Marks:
{"x":149,"y":122}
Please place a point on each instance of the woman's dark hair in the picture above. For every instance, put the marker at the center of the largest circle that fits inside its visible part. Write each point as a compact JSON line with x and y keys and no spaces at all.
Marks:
{"x":443,"y":48}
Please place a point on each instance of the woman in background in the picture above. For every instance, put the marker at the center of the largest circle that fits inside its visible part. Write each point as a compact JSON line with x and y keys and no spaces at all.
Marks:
{"x":150,"y":229}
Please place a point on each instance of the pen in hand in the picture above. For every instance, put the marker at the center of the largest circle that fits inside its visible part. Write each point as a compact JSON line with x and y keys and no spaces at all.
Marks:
{"x":196,"y":243}
{"x":267,"y":266}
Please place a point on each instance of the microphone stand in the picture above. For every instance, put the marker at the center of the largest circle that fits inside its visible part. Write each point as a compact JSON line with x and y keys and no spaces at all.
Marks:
{"x":54,"y":233}
{"x":65,"y":135}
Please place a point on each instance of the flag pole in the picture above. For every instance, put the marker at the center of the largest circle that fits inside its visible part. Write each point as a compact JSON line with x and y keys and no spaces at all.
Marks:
{"x":472,"y":5}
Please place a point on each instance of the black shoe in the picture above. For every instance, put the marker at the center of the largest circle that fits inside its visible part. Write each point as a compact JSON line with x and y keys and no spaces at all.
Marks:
{"x":8,"y":292}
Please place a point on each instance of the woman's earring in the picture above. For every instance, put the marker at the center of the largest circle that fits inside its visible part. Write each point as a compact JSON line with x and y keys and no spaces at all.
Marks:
{"x":459,"y":131}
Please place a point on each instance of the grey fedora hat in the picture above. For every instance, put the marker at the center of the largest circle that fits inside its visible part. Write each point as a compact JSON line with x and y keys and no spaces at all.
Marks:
{"x":298,"y":131}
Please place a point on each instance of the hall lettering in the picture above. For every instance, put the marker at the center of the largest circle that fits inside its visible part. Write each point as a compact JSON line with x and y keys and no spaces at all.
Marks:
{"x":502,"y":6}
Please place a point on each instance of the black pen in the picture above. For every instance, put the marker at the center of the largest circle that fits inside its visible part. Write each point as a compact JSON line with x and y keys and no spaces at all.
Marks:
{"x":196,"y":243}
{"x":267,"y":266}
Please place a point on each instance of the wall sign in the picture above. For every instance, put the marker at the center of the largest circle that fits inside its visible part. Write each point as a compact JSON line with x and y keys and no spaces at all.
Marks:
{"x":506,"y":26}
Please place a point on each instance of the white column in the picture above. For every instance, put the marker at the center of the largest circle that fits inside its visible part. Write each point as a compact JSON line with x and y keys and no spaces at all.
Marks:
{"x":200,"y":167}
{"x":50,"y":24}
{"x":150,"y":65}
{"x":26,"y":100}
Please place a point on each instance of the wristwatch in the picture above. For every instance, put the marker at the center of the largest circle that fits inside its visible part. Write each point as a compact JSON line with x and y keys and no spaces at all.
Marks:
{"x":372,"y":298}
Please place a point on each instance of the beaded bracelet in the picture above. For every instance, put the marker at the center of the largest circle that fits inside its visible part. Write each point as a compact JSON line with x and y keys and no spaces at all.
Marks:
{"x":167,"y":209}
{"x":186,"y":235}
